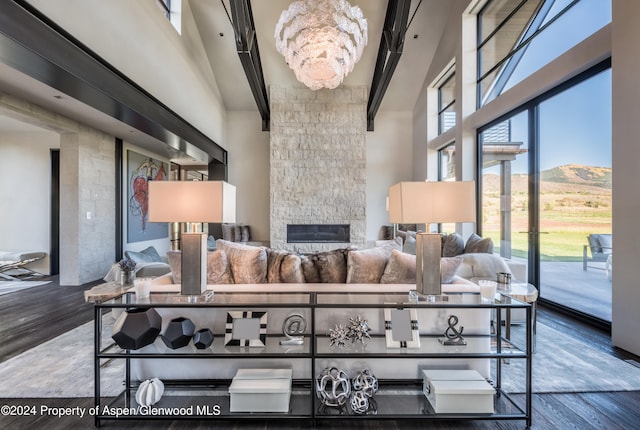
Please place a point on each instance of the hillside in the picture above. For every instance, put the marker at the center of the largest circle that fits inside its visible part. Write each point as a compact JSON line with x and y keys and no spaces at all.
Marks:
{"x":561,"y":178}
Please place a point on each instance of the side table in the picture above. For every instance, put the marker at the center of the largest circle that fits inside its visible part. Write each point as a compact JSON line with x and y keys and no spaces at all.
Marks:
{"x":527,"y":293}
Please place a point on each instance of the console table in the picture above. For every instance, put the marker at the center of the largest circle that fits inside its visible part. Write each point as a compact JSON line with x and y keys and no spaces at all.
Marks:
{"x":399,"y":397}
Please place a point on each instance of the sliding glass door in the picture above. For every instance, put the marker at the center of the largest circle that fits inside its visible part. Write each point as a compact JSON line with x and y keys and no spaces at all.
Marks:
{"x":545,"y":178}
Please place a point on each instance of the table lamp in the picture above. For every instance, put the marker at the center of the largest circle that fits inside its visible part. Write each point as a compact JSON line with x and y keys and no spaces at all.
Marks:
{"x":430,"y":202}
{"x":192,"y":202}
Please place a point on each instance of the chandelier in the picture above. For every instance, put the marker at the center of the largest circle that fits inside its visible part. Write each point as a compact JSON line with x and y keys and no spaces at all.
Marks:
{"x":321,"y":40}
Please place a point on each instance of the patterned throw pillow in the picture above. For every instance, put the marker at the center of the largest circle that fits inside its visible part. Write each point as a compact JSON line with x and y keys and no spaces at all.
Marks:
{"x":401,"y":269}
{"x":448,"y":268}
{"x":452,"y":245}
{"x":248,"y":263}
{"x":148,"y":255}
{"x":367,"y":266}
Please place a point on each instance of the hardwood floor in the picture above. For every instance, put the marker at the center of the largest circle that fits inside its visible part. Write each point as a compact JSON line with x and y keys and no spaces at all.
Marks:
{"x":29,"y":317}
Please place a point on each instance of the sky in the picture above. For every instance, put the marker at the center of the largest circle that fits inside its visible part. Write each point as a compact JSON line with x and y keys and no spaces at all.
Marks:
{"x":575,"y":125}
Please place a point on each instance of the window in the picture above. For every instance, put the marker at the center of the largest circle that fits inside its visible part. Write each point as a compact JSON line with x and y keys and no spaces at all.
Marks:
{"x":447,"y":163}
{"x":172,"y":10}
{"x":518,"y":37}
{"x":447,"y":103}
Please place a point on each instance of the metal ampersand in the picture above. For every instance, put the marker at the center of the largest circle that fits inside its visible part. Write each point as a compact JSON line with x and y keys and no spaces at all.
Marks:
{"x":453,"y":336}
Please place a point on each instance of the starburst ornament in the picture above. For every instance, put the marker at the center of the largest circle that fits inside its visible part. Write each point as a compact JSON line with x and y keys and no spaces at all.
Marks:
{"x":338,"y":335}
{"x":358,"y":329}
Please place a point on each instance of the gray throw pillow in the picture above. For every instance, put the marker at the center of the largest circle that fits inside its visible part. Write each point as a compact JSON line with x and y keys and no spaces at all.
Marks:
{"x":401,"y":269}
{"x":448,"y":268}
{"x":409,"y":246}
{"x":477,"y":244}
{"x":228,"y":232}
{"x":147,"y":255}
{"x":452,"y":245}
{"x":367,"y":266}
{"x":248,"y":263}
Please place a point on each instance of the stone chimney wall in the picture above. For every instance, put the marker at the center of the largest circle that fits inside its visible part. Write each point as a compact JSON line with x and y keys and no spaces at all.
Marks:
{"x":318,"y":162}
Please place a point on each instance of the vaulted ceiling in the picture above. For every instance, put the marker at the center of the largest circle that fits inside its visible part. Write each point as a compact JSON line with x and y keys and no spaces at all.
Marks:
{"x":426,"y":22}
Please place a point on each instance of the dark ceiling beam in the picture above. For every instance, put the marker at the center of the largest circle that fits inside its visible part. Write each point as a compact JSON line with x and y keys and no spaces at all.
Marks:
{"x":391,"y":44}
{"x":35,"y":46}
{"x":247,"y":47}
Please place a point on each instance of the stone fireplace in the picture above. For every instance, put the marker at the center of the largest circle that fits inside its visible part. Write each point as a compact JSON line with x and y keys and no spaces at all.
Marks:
{"x":318,"y":164}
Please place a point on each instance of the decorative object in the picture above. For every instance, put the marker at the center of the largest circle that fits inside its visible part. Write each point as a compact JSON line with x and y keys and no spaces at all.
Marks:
{"x":504,"y":280}
{"x":260,"y":390}
{"x":430,"y":202}
{"x":453,"y":336}
{"x":192,"y":202}
{"x":338,"y":335}
{"x":178,"y":333}
{"x":487,"y":290}
{"x":136,"y":328}
{"x":293,"y":328}
{"x":149,"y":392}
{"x":141,"y":171}
{"x":321,"y":40}
{"x":359,"y":402}
{"x":366,"y":382}
{"x":401,"y":328}
{"x":358,"y":329}
{"x":127,"y":271}
{"x":332,"y":387}
{"x":458,"y":391}
{"x":246,"y":328}
{"x":142,"y":287}
{"x":203,"y":338}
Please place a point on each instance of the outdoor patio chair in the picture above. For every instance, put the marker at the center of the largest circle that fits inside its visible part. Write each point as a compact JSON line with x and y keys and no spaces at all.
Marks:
{"x":600,"y":246}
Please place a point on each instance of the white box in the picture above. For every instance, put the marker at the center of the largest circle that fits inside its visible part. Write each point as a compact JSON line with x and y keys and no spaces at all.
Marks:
{"x":260,"y":390}
{"x":458,"y":392}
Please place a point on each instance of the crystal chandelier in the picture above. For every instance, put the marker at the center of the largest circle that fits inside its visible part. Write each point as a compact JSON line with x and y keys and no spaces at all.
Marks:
{"x":321,"y":40}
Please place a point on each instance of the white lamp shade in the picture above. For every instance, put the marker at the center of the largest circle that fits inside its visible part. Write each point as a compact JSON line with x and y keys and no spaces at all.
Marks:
{"x":192,"y":201}
{"x":432,"y":202}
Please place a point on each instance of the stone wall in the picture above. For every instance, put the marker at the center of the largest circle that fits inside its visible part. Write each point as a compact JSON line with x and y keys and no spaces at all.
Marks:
{"x":318,"y":162}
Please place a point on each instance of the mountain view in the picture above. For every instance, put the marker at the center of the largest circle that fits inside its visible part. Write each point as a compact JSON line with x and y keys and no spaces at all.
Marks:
{"x":575,"y":200}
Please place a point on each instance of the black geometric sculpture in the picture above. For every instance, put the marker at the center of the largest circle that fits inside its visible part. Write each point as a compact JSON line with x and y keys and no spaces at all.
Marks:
{"x":136,"y":328}
{"x":203,"y":338}
{"x":178,"y":332}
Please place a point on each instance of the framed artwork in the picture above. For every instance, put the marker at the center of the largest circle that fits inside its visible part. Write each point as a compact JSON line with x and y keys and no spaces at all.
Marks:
{"x":246,"y":328}
{"x":401,"y":328}
{"x":140,"y":170}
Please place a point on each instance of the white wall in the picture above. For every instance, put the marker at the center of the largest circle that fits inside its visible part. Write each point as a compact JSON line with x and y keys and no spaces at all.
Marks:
{"x":389,"y":160}
{"x":249,"y":171}
{"x":626,"y":175}
{"x":140,"y":42}
{"x":25,"y":193}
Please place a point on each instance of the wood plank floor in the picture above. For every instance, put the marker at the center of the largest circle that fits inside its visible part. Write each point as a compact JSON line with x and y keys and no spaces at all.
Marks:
{"x":30,"y":317}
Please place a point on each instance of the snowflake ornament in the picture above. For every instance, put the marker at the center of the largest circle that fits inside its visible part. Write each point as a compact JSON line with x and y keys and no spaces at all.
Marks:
{"x":338,"y":335}
{"x":358,"y":329}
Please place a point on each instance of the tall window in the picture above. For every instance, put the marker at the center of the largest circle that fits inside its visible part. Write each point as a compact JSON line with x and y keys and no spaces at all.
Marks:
{"x":518,"y":37}
{"x":172,"y":10}
{"x":447,"y":163}
{"x":447,"y":103}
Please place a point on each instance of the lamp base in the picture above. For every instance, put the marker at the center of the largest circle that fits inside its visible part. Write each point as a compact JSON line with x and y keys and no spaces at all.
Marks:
{"x":428,"y":253}
{"x":194,"y":264}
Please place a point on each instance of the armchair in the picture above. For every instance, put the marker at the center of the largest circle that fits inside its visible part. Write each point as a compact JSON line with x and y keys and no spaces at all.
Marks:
{"x":600,"y":246}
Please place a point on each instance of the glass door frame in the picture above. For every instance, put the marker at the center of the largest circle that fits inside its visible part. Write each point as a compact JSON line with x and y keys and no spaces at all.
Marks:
{"x":532,"y":107}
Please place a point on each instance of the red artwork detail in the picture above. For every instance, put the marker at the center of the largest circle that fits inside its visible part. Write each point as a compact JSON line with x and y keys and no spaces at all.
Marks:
{"x":139,"y":201}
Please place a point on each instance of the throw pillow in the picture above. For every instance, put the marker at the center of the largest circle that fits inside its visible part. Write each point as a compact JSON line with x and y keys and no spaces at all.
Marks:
{"x":401,"y":269}
{"x":452,"y":245}
{"x":237,"y":233}
{"x":409,"y":246}
{"x":245,"y":233}
{"x":228,"y":232}
{"x":291,"y":270}
{"x":448,"y":268}
{"x":174,"y":258}
{"x":386,"y":232}
{"x":248,"y":263}
{"x":211,"y":243}
{"x":482,"y":265}
{"x":332,"y":266}
{"x":606,"y":243}
{"x":309,"y":269}
{"x":218,"y":270}
{"x":477,"y":244}
{"x":274,"y":261}
{"x":367,"y":266}
{"x":147,"y":255}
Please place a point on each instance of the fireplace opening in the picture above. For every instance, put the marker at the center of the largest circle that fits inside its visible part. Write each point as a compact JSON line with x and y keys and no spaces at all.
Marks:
{"x":318,"y":233}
